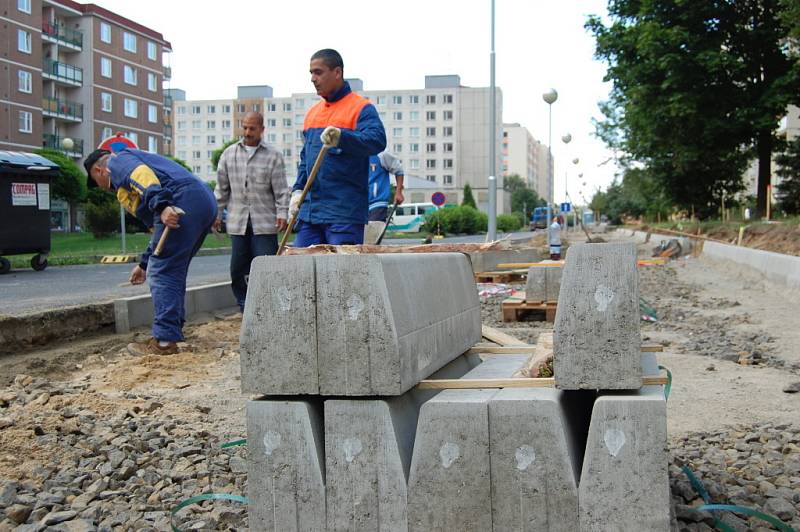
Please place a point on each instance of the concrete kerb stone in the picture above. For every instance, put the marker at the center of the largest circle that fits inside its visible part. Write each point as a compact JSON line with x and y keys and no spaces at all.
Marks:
{"x":137,"y":311}
{"x":487,"y":261}
{"x":543,"y":283}
{"x":624,"y":482}
{"x":596,"y":338}
{"x":363,"y":324}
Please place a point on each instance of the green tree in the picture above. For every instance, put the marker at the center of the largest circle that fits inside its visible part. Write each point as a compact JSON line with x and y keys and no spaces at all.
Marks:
{"x":789,"y":169}
{"x":514,"y":182}
{"x":468,"y":200}
{"x":524,"y":201}
{"x":698,"y":88}
{"x":70,"y":185}
{"x":180,"y":162}
{"x":212,"y":184}
{"x":216,"y":154}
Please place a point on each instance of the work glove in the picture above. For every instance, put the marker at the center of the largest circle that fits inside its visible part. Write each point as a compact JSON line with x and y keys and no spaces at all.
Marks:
{"x":330,"y":137}
{"x":294,"y":203}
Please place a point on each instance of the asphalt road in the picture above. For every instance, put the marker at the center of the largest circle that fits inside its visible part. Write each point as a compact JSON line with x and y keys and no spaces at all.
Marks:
{"x":23,"y":291}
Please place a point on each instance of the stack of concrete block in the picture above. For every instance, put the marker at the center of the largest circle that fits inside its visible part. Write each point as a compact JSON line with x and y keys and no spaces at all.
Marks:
{"x":543,"y":283}
{"x":344,"y":441}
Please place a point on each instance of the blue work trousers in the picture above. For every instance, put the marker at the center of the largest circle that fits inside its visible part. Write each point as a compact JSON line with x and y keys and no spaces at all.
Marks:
{"x":167,"y":272}
{"x":244,"y":248}
{"x":335,"y":234}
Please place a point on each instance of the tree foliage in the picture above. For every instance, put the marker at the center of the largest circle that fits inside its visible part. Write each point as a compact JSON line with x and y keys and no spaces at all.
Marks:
{"x":216,"y":154}
{"x":71,"y":184}
{"x":789,"y":169}
{"x":180,"y":162}
{"x":469,"y":200}
{"x":698,"y":89}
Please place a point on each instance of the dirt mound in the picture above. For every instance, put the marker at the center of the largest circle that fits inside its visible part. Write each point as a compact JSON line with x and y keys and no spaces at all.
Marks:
{"x":778,"y":237}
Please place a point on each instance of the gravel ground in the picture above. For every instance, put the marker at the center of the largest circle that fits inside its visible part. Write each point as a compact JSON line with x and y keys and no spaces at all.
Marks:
{"x":101,"y":440}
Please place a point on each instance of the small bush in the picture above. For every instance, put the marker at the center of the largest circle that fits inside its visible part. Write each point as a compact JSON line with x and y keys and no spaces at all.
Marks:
{"x":102,"y":219}
{"x":508,"y":223}
{"x":457,"y":220}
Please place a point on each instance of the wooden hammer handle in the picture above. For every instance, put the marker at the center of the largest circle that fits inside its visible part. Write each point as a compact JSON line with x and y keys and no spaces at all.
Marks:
{"x":161,"y":242}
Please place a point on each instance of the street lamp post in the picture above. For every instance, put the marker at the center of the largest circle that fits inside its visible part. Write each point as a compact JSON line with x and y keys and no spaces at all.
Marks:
{"x":550,"y":98}
{"x":566,"y":139}
{"x":492,"y":146}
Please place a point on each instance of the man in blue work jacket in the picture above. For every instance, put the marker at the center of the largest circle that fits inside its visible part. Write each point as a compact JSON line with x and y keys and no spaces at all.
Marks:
{"x":151,"y":187}
{"x":335,"y":208}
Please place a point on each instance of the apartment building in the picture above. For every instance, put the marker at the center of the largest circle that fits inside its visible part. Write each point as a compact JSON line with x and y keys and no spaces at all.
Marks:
{"x":440,"y":132}
{"x":528,"y":158}
{"x":79,"y":71}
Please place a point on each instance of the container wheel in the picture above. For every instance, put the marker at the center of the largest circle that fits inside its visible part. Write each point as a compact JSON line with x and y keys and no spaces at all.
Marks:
{"x":5,"y":265}
{"x":37,"y":263}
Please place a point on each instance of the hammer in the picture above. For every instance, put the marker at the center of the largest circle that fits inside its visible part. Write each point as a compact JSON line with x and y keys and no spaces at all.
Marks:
{"x":163,"y":239}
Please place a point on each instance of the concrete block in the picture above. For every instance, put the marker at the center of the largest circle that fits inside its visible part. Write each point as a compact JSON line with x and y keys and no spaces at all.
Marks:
{"x":285,"y":469}
{"x":544,"y":283}
{"x":385,"y":322}
{"x":278,"y":340}
{"x":624,"y":482}
{"x":596,"y":336}
{"x":487,"y":261}
{"x":449,"y":485}
{"x":535,"y":461}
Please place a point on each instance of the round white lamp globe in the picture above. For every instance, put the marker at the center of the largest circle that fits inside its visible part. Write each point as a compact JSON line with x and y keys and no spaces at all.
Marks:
{"x":67,"y":143}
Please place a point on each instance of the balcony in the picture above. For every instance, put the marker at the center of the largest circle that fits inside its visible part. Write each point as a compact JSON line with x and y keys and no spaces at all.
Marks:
{"x":64,"y":109}
{"x":54,"y":142}
{"x":168,"y":101}
{"x":60,"y":34}
{"x":167,"y":72}
{"x":62,"y":72}
{"x":168,"y":131}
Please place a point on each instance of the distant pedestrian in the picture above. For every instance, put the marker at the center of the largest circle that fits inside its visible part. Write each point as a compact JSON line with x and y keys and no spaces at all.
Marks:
{"x":380,"y":166}
{"x":251,"y":185}
{"x":554,"y":239}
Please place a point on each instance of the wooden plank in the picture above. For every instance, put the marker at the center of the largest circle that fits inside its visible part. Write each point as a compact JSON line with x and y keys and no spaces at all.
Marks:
{"x":476,"y":384}
{"x":499,"y":337}
{"x":503,"y":350}
{"x":652,"y":348}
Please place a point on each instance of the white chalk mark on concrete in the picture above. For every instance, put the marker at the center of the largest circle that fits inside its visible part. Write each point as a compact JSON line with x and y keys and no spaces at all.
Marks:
{"x":603,"y":295}
{"x":525,"y":456}
{"x":354,"y":307}
{"x":272,"y":440}
{"x":352,"y":447}
{"x":614,"y":440}
{"x":449,"y":453}
{"x":284,"y":299}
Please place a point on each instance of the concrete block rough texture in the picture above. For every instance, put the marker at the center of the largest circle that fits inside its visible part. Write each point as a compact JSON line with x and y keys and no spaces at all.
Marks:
{"x":285,"y":477}
{"x":534,"y":462}
{"x":387,"y":321}
{"x":544,"y":283}
{"x":449,"y":485}
{"x":278,"y":340}
{"x":624,"y":482}
{"x":596,"y":336}
{"x":487,"y":261}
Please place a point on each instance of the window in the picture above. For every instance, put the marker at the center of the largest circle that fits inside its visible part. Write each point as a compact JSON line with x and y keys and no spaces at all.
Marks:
{"x":226,"y":124}
{"x":397,"y":115}
{"x":413,"y":132}
{"x":397,"y":100}
{"x":195,"y":109}
{"x":181,"y":110}
{"x":272,"y":138}
{"x":211,"y":124}
{"x":430,"y":99}
{"x":196,"y":169}
{"x":196,"y":154}
{"x":25,"y":122}
{"x":287,"y":138}
{"x":431,"y":178}
{"x":197,"y":124}
{"x":287,"y":122}
{"x":181,"y":141}
{"x":105,"y":101}
{"x":448,"y":164}
{"x":397,"y":132}
{"x":23,"y":41}
{"x":447,"y":98}
{"x":129,"y":41}
{"x":397,"y":148}
{"x":134,"y":137}
{"x":24,"y":6}
{"x":414,"y":164}
{"x":129,"y":74}
{"x":105,"y":67}
{"x":272,"y":122}
{"x":287,"y":152}
{"x":447,"y":180}
{"x":241,"y":108}
{"x":211,"y":109}
{"x":380,"y":100}
{"x":413,"y":148}
{"x":152,"y":113}
{"x":430,"y":163}
{"x":413,"y":99}
{"x":152,"y":82}
{"x":287,"y":106}
{"x":105,"y":32}
{"x":182,"y":155}
{"x":271,"y":107}
{"x":447,"y":147}
{"x":298,"y":135}
{"x":447,"y":131}
{"x":430,"y":131}
{"x":413,"y":116}
{"x":256,"y":108}
{"x":181,"y":124}
{"x":107,"y":132}
{"x":299,"y":103}
{"x":382,"y":116}
{"x":152,"y":50}
{"x":152,"y":144}
{"x":131,"y":108}
{"x":211,"y":139}
{"x":195,"y":140}
{"x":298,"y":119}
{"x":25,"y":81}
{"x":430,"y":115}
{"x":209,"y":154}
{"x":226,"y":108}
{"x":448,"y":115}
{"x":430,"y":147}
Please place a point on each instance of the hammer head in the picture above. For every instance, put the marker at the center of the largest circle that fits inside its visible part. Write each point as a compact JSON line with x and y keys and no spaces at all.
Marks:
{"x":177,"y":209}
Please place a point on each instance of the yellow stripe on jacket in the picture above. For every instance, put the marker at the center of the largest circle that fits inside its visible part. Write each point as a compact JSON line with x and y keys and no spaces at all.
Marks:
{"x":141,"y":178}
{"x":129,"y":199}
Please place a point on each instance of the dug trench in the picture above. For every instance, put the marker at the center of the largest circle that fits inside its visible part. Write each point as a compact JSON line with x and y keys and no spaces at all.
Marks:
{"x":95,"y":437}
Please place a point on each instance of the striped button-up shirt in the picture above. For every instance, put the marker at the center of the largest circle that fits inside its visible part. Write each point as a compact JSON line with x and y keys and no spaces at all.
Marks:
{"x":252,"y":185}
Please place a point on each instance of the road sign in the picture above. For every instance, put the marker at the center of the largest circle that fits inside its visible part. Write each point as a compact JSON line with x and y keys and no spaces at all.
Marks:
{"x":566,"y":207}
{"x":438,"y":199}
{"x":117,"y":143}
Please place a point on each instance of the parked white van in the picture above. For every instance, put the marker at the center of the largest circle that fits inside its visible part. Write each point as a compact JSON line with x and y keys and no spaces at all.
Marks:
{"x":409,"y":217}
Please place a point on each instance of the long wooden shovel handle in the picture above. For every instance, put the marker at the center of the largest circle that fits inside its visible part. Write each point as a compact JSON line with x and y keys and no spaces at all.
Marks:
{"x":161,"y":242}
{"x":311,"y":177}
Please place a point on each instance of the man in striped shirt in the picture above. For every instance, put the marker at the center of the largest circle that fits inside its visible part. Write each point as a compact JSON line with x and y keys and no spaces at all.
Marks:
{"x":252,"y":186}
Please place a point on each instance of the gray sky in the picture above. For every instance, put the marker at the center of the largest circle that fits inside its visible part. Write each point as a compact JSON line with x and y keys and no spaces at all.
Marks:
{"x":393,"y":45}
